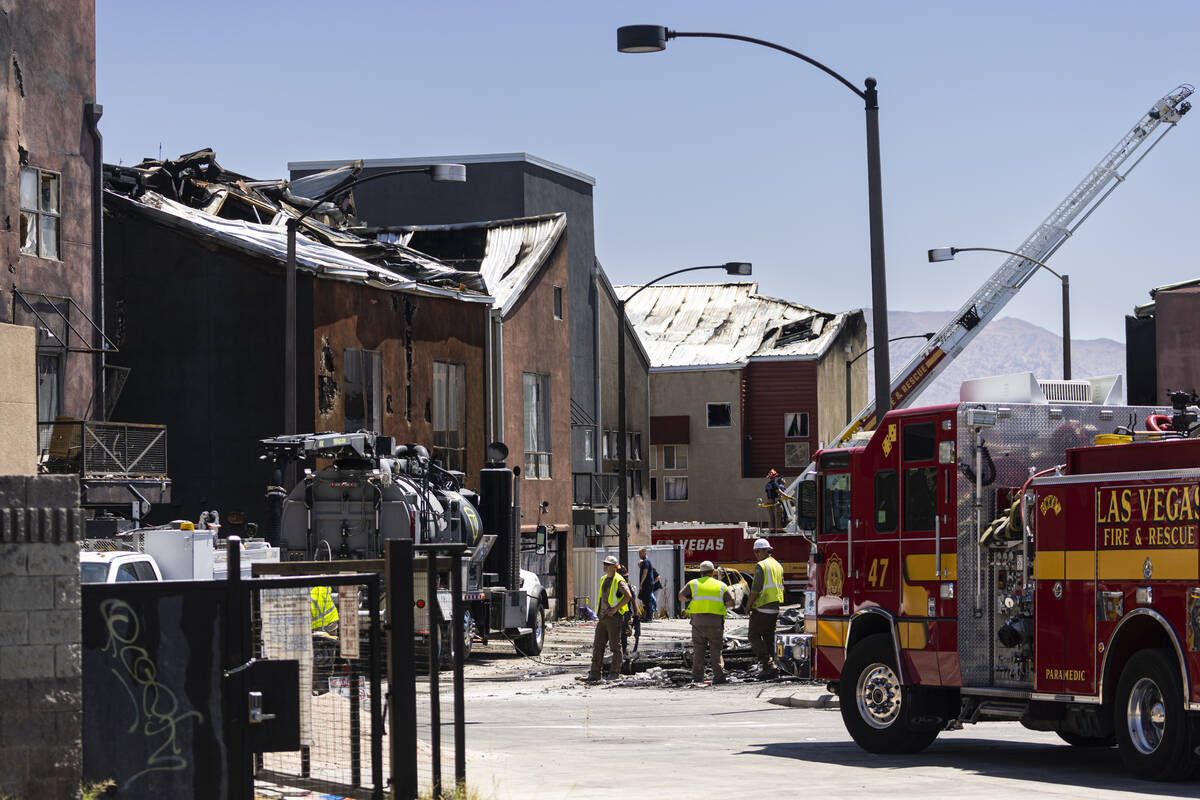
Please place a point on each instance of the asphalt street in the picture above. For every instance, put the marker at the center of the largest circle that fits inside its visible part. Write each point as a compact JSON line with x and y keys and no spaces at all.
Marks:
{"x":548,"y":736}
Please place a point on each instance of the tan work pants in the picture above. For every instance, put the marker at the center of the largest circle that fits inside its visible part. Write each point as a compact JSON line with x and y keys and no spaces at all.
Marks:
{"x":708,"y":633}
{"x":608,"y":632}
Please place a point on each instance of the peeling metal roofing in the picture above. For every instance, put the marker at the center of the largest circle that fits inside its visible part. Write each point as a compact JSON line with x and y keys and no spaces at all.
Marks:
{"x":509,"y":253}
{"x":726,"y":324}
{"x":270,"y":241}
{"x":252,"y":215}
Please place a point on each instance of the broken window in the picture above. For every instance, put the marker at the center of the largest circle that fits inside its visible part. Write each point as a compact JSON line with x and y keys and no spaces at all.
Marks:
{"x":450,"y":414}
{"x":362,"y":387}
{"x":795,"y":425}
{"x":536,"y":390}
{"x":720,"y":415}
{"x":40,"y":212}
{"x":795,"y":332}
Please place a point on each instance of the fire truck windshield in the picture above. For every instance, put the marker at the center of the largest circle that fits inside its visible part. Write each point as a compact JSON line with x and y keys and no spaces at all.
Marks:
{"x":835,"y":503}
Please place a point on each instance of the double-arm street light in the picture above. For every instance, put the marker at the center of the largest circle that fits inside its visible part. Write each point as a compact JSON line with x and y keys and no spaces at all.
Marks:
{"x":731,"y":268}
{"x":440,"y":173}
{"x":948,"y":253}
{"x":652,"y":38}
{"x":850,"y":363}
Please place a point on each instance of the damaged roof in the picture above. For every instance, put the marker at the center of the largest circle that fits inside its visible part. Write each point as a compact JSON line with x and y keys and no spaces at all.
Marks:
{"x":507,"y":253}
{"x":726,"y":324}
{"x":195,"y":193}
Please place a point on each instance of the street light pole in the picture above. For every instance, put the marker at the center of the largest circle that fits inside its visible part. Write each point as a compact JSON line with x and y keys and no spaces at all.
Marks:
{"x":947,"y":254}
{"x":439,"y":173}
{"x":653,"y":38}
{"x":850,"y":363}
{"x":731,"y":268}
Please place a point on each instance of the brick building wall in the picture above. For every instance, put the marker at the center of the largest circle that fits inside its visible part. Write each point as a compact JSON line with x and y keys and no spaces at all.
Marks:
{"x":40,"y":684}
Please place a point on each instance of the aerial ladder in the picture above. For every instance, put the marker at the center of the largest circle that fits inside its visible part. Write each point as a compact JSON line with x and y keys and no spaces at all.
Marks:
{"x":944,"y":346}
{"x":983,"y":306}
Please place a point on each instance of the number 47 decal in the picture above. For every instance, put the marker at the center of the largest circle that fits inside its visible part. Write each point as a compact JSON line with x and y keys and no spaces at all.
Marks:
{"x":878,"y":573}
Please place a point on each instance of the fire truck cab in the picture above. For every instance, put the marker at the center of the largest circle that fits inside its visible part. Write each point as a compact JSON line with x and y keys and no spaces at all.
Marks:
{"x":999,"y":559}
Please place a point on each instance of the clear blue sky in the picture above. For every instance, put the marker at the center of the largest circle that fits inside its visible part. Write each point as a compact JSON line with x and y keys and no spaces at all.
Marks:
{"x":713,"y":150}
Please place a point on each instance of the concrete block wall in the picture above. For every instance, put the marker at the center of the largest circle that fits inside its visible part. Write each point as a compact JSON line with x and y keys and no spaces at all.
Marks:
{"x":40,"y":637}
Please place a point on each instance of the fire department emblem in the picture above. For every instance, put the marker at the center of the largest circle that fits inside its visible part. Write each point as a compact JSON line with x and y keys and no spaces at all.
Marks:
{"x":889,"y":439}
{"x":835,"y":576}
{"x":1148,"y":569}
{"x":1050,"y":503}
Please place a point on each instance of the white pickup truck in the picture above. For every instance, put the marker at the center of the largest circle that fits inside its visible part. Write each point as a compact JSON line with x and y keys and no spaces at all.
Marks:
{"x":117,"y":566}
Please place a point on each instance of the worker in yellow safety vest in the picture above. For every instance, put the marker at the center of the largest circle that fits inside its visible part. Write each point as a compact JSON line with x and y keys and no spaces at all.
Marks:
{"x":707,"y":600}
{"x":324,"y":612}
{"x":612,"y":604}
{"x":766,"y":596}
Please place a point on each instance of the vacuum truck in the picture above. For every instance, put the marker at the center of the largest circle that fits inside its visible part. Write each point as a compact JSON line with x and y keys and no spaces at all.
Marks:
{"x":357,"y":490}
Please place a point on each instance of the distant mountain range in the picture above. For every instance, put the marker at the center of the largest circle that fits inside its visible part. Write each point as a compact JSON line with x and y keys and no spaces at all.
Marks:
{"x":1005,"y":346}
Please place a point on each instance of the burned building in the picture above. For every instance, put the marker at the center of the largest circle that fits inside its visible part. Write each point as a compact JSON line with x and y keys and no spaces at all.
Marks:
{"x":388,"y":339}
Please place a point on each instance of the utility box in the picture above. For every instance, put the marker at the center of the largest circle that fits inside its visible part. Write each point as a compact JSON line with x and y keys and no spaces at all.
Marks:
{"x":181,"y":555}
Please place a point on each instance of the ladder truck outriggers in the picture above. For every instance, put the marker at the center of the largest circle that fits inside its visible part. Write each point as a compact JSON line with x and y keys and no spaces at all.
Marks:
{"x":1030,"y":553}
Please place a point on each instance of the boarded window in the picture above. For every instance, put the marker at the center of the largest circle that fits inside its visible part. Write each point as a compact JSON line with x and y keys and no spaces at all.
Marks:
{"x":796,"y":454}
{"x":449,"y":414}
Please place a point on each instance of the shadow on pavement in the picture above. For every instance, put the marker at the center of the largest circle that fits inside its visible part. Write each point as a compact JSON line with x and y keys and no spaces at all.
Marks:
{"x":1046,"y":763}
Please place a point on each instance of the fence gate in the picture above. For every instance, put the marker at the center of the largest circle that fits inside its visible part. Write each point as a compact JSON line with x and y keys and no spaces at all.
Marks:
{"x":340,"y":749}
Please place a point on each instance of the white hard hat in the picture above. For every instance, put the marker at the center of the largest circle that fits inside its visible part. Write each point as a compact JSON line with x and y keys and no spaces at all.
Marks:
{"x":706,"y":566}
{"x":611,"y":561}
{"x":762,"y":544}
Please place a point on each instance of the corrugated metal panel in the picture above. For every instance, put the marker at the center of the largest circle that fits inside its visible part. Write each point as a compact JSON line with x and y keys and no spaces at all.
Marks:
{"x":687,"y":325}
{"x":773,"y":389}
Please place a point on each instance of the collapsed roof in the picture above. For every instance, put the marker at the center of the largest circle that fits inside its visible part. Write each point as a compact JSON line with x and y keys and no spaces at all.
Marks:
{"x":195,"y":193}
{"x":726,"y":324}
{"x":507,"y":253}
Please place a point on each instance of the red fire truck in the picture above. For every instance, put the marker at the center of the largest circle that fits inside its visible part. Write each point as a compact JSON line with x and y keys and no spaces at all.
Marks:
{"x":999,"y":561}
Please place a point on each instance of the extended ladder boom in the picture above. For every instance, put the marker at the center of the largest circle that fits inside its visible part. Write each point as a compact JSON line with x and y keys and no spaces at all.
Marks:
{"x":1003,"y":285}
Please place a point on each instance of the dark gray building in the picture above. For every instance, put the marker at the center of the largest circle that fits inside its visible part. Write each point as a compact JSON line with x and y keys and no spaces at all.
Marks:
{"x":511,"y":185}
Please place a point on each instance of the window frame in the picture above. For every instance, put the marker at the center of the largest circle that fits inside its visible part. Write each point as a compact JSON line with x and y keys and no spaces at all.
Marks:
{"x":39,"y":214}
{"x":675,"y":453}
{"x":558,"y":302}
{"x":708,"y":415}
{"x":805,"y":429}
{"x":675,"y":480}
{"x":538,"y":461}
{"x":453,"y":375}
{"x":369,"y":365}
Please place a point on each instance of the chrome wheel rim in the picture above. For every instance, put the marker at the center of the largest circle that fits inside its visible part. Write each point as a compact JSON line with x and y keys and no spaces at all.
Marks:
{"x":539,"y":628}
{"x":1146,"y":716}
{"x":878,"y":695}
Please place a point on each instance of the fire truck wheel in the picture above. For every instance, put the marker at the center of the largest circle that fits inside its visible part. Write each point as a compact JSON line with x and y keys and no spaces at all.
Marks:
{"x":876,"y":709}
{"x":531,"y":644}
{"x":1151,"y":726}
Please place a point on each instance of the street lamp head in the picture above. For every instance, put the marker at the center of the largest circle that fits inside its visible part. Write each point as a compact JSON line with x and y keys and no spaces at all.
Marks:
{"x":737,"y":268}
{"x":941,"y":254}
{"x":448,"y":173}
{"x":641,"y":38}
